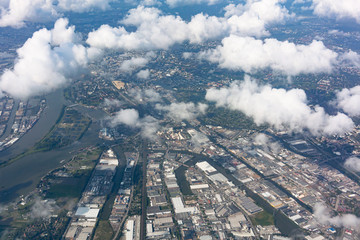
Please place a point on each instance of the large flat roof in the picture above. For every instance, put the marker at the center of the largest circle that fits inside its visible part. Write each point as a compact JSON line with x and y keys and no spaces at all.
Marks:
{"x":87,"y":212}
{"x":206,"y":167}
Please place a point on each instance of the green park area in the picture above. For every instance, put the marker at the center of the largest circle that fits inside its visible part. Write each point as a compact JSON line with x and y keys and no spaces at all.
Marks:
{"x":77,"y":173}
{"x":220,"y":116}
{"x":70,"y":128}
{"x":263,"y":218}
{"x":104,"y":231}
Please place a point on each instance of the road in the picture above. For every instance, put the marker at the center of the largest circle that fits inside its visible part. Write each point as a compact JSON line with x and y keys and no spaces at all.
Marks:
{"x":143,"y":154}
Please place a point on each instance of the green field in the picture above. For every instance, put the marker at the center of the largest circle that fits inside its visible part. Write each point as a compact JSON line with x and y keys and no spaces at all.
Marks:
{"x":220,"y":116}
{"x":69,"y":187}
{"x":188,"y":95}
{"x":69,"y":129}
{"x":263,"y":218}
{"x":73,"y":186}
{"x":104,"y":230}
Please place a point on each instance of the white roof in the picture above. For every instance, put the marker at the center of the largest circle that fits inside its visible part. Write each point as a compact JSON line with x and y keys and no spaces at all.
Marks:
{"x":243,"y":234}
{"x":160,"y":221}
{"x":266,"y":194}
{"x":177,"y":202}
{"x":295,"y":217}
{"x":236,"y":220}
{"x":85,"y":233}
{"x":157,"y":233}
{"x":246,"y":180}
{"x":106,"y":167}
{"x":129,"y":230}
{"x":206,"y":167}
{"x":87,"y":212}
{"x":71,"y":232}
{"x":172,"y":185}
{"x":218,"y":198}
{"x":149,"y":228}
{"x":206,"y":237}
{"x":111,"y":153}
{"x":109,"y":161}
{"x":218,"y":177}
{"x":154,"y":165}
{"x":179,"y":206}
{"x":315,"y":238}
{"x":199,"y":186}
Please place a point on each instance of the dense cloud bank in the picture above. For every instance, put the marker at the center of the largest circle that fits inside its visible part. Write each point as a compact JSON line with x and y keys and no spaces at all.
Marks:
{"x":282,"y":109}
{"x":249,"y":54}
{"x":154,"y":30}
{"x":50,"y":59}
{"x":15,"y":13}
{"x":47,"y":61}
{"x":338,"y":9}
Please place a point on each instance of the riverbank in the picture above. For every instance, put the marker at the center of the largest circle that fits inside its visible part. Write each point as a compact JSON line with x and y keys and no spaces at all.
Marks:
{"x":55,"y":102}
{"x":21,"y":176}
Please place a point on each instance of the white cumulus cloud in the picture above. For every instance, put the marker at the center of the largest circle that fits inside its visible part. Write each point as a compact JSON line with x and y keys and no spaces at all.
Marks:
{"x":175,"y":3}
{"x":112,"y":102}
{"x":349,"y":100}
{"x":266,"y":143}
{"x":154,"y":30}
{"x":133,"y":64}
{"x":282,"y":109}
{"x":353,"y":163}
{"x":150,"y":2}
{"x":83,"y":5}
{"x":183,"y":111}
{"x":350,"y":58}
{"x":143,"y":74}
{"x":15,"y":13}
{"x":130,"y":117}
{"x":249,"y":54}
{"x":147,"y":95}
{"x":322,"y":214}
{"x":338,"y":9}
{"x":43,"y":208}
{"x":48,"y":60}
{"x":252,"y":18}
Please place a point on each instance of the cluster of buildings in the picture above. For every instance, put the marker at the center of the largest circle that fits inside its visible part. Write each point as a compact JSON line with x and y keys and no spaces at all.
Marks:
{"x":288,"y":182}
{"x":26,"y":115}
{"x":159,"y":220}
{"x":6,"y":106}
{"x":224,"y":204}
{"x":212,"y":206}
{"x":124,"y":195}
{"x":93,"y":198}
{"x":132,"y":228}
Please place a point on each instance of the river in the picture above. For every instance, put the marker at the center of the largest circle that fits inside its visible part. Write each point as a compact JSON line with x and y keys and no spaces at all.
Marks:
{"x":22,"y":176}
